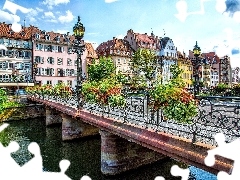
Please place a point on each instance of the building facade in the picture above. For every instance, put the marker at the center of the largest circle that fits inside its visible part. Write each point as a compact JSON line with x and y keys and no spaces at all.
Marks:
{"x":120,"y":51}
{"x":137,"y":40}
{"x":235,"y":75}
{"x":90,"y":55}
{"x":225,"y":70}
{"x":186,"y":65}
{"x":214,"y":62}
{"x":52,"y":57}
{"x":16,"y":59}
{"x":168,"y":52}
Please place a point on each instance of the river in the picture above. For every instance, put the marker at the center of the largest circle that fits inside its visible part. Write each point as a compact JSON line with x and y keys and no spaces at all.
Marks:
{"x":84,"y":154}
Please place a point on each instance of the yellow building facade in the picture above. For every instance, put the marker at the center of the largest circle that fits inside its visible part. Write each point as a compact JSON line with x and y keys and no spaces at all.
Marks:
{"x":185,"y":64}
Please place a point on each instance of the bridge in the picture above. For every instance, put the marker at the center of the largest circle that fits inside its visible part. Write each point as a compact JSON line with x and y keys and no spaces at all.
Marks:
{"x":134,"y":135}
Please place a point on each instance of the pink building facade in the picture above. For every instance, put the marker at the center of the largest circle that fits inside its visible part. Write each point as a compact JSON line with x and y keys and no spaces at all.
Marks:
{"x":55,"y":62}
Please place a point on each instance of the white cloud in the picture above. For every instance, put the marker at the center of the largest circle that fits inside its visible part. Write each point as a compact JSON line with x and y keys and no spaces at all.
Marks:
{"x":49,"y":14}
{"x":52,"y":20}
{"x":110,"y":1}
{"x":236,"y":16}
{"x":8,"y":18}
{"x":33,"y":13}
{"x":67,"y":18}
{"x":32,"y":19}
{"x":39,"y":9}
{"x":12,"y":7}
{"x":182,"y":8}
{"x":51,"y":3}
{"x":221,"y":6}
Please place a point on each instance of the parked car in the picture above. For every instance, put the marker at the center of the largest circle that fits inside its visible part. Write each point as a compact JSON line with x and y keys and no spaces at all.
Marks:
{"x":21,"y":95}
{"x":20,"y":92}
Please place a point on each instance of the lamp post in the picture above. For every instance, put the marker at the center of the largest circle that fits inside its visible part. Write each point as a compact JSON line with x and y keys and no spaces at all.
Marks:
{"x":79,"y":47}
{"x":196,"y":65}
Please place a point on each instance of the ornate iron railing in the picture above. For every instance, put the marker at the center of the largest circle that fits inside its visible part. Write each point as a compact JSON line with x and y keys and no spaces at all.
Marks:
{"x":215,"y":114}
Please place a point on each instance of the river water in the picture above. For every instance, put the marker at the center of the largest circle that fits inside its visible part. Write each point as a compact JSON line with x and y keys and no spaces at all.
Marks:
{"x":84,"y":154}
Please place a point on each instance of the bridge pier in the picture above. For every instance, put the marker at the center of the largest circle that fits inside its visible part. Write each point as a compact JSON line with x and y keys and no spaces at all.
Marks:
{"x":119,"y":155}
{"x":74,"y":128}
{"x":52,"y":116}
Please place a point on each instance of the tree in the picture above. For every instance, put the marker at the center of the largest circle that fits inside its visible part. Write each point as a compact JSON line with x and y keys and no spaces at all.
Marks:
{"x":145,"y":61}
{"x":99,"y":71}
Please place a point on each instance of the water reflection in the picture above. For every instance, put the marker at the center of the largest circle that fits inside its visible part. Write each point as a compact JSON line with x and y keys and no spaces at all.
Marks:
{"x":84,"y":154}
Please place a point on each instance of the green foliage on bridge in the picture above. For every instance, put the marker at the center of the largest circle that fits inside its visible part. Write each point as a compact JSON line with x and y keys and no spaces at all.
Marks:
{"x":175,"y":101}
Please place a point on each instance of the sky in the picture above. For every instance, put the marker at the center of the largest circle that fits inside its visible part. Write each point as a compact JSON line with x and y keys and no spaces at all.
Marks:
{"x":214,"y":24}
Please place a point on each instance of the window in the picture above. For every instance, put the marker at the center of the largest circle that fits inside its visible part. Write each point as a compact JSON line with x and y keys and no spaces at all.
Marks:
{"x":119,"y":61}
{"x":19,"y":66}
{"x":26,"y":54}
{"x":10,"y":65}
{"x":2,"y":65}
{"x":39,"y":47}
{"x":26,"y":65}
{"x":47,"y":37}
{"x":60,"y":48}
{"x":49,"y":82}
{"x":69,"y":82}
{"x":72,"y":72}
{"x":37,"y":36}
{"x":39,"y":71}
{"x":59,"y":61}
{"x":60,"y":72}
{"x":39,"y":59}
{"x":49,"y":48}
{"x":2,"y":53}
{"x":69,"y":62}
{"x":60,"y":81}
{"x":50,"y":60}
{"x":49,"y":71}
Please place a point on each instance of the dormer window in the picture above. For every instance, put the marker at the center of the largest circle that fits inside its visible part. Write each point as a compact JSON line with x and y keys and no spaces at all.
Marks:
{"x":58,"y":38}
{"x":37,"y":36}
{"x":47,"y":37}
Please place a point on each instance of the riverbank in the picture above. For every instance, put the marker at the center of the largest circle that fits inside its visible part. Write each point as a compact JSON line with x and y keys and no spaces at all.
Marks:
{"x":28,"y":111}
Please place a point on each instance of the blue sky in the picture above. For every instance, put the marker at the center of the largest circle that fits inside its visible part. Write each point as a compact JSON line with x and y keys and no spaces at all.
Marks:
{"x":215,"y":24}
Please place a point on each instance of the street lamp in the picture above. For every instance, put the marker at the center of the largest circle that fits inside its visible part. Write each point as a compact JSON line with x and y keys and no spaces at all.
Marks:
{"x":196,"y":64}
{"x":78,"y":47}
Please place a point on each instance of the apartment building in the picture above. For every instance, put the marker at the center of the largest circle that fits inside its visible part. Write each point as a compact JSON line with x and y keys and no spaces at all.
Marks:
{"x":16,"y":59}
{"x":186,"y":65}
{"x":214,"y":62}
{"x":137,"y":40}
{"x":168,"y":52}
{"x":235,"y":75}
{"x":225,"y":70}
{"x":120,"y":51}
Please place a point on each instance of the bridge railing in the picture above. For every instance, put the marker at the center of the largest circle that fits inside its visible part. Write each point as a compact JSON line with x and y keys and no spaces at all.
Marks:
{"x":215,"y":114}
